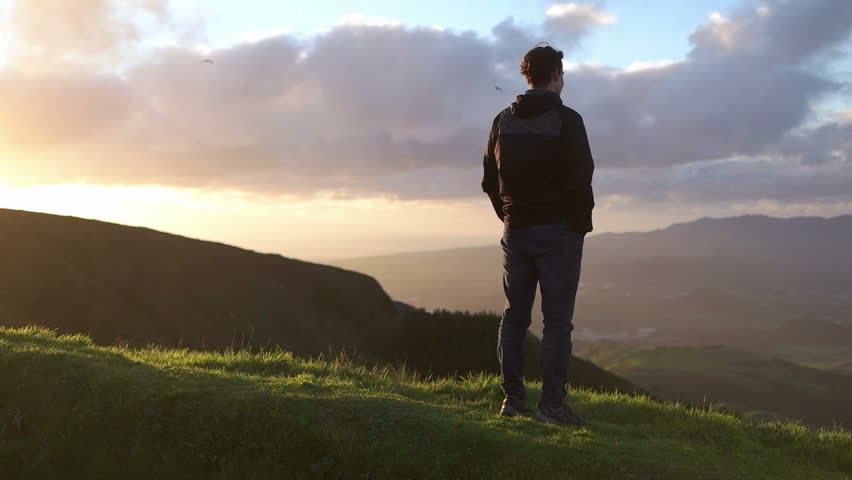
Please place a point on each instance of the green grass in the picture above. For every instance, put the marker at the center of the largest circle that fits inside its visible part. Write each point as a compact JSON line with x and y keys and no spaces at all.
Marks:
{"x":444,"y":343}
{"x":71,"y":409}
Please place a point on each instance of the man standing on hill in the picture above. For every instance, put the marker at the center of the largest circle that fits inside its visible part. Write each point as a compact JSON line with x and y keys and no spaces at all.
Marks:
{"x":538,"y":174}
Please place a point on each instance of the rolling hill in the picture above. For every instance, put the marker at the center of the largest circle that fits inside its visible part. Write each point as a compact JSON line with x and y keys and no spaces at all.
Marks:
{"x":137,"y":286}
{"x":455,"y":344}
{"x":753,"y":384}
{"x":72,"y":409}
{"x":810,"y":343}
{"x":811,"y":332}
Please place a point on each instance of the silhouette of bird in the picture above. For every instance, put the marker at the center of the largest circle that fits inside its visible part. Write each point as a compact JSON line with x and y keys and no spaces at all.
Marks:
{"x":207,"y":60}
{"x":498,"y":88}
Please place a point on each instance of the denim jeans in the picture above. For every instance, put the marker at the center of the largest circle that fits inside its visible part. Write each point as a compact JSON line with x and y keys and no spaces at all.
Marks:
{"x":550,"y":256}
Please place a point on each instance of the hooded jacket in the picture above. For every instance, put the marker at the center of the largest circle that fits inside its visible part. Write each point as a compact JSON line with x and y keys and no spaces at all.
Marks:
{"x":538,"y":165}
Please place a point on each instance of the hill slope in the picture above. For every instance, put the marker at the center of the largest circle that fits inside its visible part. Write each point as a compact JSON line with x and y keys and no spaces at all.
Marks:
{"x":444,"y":343}
{"x":73,"y":409}
{"x":811,"y":332}
{"x":752,"y":383}
{"x":140,"y":285}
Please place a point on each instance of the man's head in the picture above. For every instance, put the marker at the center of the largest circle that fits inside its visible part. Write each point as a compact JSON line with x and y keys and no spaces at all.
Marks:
{"x":542,"y":68}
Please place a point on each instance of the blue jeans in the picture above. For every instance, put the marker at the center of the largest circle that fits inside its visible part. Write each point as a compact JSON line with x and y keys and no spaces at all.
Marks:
{"x":549,"y":255}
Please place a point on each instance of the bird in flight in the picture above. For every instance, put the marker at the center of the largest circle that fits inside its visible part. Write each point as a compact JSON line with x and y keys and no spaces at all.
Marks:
{"x":207,"y":60}
{"x":498,"y":88}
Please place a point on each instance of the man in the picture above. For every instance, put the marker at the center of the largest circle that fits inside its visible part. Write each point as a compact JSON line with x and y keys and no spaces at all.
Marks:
{"x":538,"y":174}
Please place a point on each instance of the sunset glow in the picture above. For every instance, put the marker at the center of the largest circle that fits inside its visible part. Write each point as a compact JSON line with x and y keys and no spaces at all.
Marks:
{"x":339,"y":129}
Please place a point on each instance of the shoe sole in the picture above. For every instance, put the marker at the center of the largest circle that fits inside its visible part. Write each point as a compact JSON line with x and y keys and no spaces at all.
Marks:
{"x":545,"y":419}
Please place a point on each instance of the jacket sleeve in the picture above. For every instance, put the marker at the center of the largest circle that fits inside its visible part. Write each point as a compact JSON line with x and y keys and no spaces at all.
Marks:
{"x":581,"y":166}
{"x":490,"y":178}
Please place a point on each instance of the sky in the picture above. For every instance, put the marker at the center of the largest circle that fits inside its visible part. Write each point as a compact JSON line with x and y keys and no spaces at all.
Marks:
{"x":331,"y":129}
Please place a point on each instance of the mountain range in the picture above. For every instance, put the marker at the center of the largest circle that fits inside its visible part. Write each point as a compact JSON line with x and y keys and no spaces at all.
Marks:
{"x":687,"y":282}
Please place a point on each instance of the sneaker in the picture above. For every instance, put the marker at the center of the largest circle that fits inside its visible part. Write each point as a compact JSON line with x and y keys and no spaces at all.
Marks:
{"x":514,"y":406}
{"x":561,"y":415}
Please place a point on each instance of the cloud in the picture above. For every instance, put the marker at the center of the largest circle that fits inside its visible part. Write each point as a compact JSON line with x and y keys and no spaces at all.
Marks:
{"x":373,"y":107}
{"x":564,"y":25}
{"x":806,"y":165}
{"x":42,"y":33}
{"x":746,"y":83}
{"x":511,"y":42}
{"x":569,"y":22}
{"x":779,"y":32}
{"x":42,"y":111}
{"x":579,"y":13}
{"x":738,"y":179}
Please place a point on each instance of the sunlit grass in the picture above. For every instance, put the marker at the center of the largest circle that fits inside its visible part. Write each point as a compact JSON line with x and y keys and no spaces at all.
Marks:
{"x":71,"y":408}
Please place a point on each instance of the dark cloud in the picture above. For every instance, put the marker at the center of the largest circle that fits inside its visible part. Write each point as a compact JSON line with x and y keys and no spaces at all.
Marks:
{"x":690,"y":111}
{"x":774,"y":32}
{"x":821,"y":145}
{"x":814,"y":165}
{"x":511,"y":43}
{"x":739,"y":91}
{"x":395,"y":78}
{"x":564,"y":26}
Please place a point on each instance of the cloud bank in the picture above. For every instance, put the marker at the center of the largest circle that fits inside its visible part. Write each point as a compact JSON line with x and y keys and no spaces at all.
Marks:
{"x":373,"y":108}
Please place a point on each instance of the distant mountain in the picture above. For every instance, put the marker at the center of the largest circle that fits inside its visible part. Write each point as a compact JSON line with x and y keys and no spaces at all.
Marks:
{"x":809,"y":242}
{"x":710,"y":276}
{"x":141,"y":286}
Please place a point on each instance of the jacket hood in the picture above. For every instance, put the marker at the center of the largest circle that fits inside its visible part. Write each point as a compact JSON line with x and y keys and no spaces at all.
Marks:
{"x":534,"y":102}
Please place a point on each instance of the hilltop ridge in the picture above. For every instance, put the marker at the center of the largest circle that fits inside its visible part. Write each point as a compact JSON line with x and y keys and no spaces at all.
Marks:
{"x":186,"y":414}
{"x":138,"y":285}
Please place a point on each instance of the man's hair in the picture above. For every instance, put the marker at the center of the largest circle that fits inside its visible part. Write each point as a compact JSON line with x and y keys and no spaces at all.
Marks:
{"x":540,"y":63}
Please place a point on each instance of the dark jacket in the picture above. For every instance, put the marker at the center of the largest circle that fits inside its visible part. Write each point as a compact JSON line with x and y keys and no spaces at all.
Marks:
{"x":538,"y":165}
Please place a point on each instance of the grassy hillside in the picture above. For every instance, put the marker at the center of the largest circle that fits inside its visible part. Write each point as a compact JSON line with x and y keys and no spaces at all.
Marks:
{"x":137,"y":285}
{"x":71,"y":409}
{"x":834,"y":359}
{"x":810,"y":343}
{"x":444,"y":343}
{"x":747,"y":381}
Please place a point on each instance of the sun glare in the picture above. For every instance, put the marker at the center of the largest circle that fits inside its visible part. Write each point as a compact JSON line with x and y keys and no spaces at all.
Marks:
{"x":89,"y":201}
{"x":308,"y":228}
